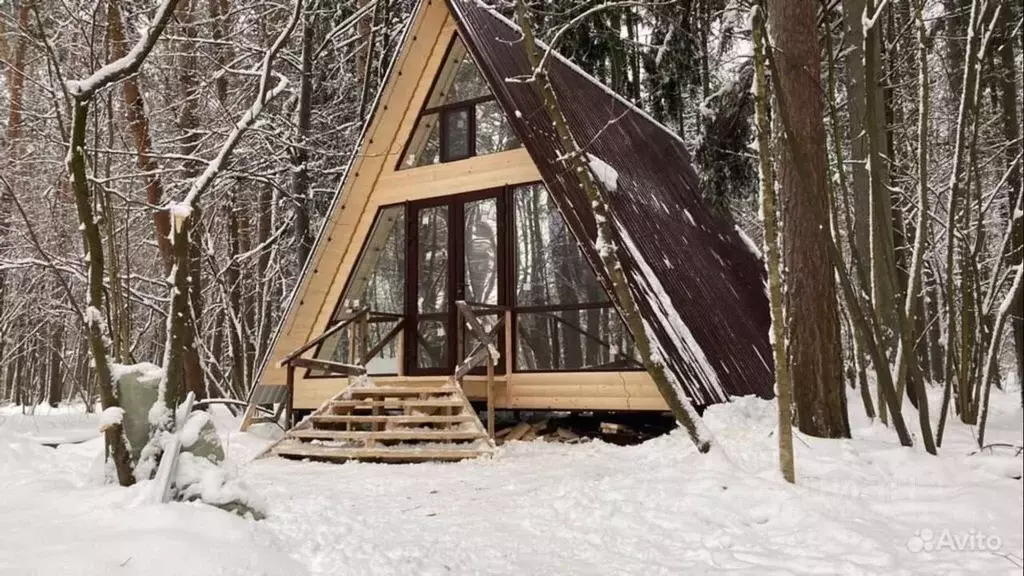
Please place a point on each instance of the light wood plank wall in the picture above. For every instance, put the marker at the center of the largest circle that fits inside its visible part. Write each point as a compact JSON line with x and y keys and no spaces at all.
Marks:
{"x":373,"y":182}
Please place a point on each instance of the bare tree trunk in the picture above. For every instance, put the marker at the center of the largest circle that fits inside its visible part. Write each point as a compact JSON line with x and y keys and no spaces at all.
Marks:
{"x":55,"y":386}
{"x":191,"y":326}
{"x":93,"y":318}
{"x":1008,"y":104}
{"x":860,"y":80}
{"x":906,"y":356}
{"x":300,"y":152}
{"x":138,"y":124}
{"x":815,"y":357}
{"x":771,"y":243}
{"x":116,"y":447}
{"x":965,"y":120}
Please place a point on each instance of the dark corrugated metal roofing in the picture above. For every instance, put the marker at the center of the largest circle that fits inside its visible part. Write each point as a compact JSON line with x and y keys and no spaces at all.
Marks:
{"x":697,"y":284}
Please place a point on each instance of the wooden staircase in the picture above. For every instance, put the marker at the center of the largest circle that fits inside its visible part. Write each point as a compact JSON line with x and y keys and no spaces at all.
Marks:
{"x":390,"y":424}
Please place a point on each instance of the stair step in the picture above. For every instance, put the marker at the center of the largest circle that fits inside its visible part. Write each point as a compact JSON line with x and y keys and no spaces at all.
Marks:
{"x":316,"y":452}
{"x":385,"y":435}
{"x":397,"y":419}
{"x":396,"y":404}
{"x":396,"y":391}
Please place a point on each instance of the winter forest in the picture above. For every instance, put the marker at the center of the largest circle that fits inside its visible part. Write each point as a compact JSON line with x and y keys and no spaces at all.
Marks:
{"x":166,"y":168}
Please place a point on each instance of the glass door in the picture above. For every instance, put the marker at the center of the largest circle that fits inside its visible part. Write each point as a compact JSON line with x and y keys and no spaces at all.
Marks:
{"x":456,"y":252}
{"x":429,"y":299}
{"x":482,"y":283}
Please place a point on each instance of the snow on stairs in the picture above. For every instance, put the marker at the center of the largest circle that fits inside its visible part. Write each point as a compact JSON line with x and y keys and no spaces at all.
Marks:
{"x":390,"y":424}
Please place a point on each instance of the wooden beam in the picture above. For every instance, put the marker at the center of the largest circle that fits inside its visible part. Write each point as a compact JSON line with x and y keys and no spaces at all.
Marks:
{"x":490,"y":396}
{"x":327,"y":365}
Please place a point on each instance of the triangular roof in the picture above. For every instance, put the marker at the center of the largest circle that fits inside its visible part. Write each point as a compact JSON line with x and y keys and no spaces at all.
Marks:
{"x":698,"y":283}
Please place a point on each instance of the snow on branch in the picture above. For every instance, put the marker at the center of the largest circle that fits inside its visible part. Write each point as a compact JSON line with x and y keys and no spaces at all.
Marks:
{"x":868,"y":22}
{"x":184,"y":208}
{"x":129,"y":63}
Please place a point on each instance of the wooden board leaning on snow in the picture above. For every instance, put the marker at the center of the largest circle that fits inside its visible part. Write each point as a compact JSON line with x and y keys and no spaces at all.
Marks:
{"x":161,"y":491}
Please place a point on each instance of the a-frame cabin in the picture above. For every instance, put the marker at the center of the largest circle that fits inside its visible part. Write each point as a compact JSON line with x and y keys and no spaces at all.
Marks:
{"x":457,"y":194}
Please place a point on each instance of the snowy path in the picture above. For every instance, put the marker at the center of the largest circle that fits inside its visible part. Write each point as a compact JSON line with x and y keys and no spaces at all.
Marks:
{"x":860,"y":508}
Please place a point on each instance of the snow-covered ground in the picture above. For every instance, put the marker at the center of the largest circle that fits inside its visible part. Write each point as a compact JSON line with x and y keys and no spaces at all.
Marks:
{"x":863,"y":506}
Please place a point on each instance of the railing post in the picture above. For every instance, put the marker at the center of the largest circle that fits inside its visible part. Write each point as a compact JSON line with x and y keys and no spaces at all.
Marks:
{"x":508,"y":347}
{"x":490,"y":394}
{"x":459,"y":338}
{"x":289,"y":410}
{"x":364,"y":334}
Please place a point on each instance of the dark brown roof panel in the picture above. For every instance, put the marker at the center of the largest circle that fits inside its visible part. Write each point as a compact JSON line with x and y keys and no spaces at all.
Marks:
{"x":698,"y":285}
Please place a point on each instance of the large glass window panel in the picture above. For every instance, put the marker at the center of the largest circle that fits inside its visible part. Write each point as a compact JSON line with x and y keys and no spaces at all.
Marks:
{"x":461,"y":117}
{"x":470,"y":341}
{"x":378,"y":279}
{"x":493,"y":131}
{"x":378,"y":282}
{"x":456,"y":134}
{"x":338,"y":348}
{"x":459,"y":79}
{"x":550,"y":269}
{"x":573,"y":340}
{"x":385,"y":361}
{"x":424,"y":147}
{"x":480,"y":252}
{"x":432,"y":263}
{"x":431,"y":343}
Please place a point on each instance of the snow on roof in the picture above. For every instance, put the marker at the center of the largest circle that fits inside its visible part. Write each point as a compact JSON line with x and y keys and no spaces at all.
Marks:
{"x":698,"y":285}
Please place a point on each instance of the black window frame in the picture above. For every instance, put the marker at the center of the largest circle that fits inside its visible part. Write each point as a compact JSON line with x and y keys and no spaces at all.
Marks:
{"x":507,"y":297}
{"x":442,"y":110}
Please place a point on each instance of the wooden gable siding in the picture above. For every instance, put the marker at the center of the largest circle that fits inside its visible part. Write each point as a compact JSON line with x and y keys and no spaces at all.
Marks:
{"x":685,"y":266}
{"x":372,"y":182}
{"x":309,"y":307}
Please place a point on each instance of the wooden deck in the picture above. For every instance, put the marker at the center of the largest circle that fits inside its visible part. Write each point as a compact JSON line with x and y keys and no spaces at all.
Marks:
{"x":390,"y":424}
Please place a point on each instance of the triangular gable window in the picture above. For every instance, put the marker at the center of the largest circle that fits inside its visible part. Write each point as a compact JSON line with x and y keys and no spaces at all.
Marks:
{"x":460,"y":119}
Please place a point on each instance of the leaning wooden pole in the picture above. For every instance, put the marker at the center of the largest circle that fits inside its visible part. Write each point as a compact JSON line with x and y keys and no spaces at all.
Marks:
{"x":783,"y":386}
{"x":677,"y":401}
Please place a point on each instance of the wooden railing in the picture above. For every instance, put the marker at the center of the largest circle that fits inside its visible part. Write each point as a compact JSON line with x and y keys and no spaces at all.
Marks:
{"x":359,"y":352}
{"x":485,"y":352}
{"x":486,"y":349}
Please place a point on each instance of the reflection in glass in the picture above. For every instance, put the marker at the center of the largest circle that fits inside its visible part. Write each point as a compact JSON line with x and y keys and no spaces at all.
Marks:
{"x":458,"y":80}
{"x":487,"y":320}
{"x":481,"y":251}
{"x":425,"y":145}
{"x":550,"y":269}
{"x":431,"y":340}
{"x":432,"y":266}
{"x":572,"y":340}
{"x":377,"y":283}
{"x":493,"y":131}
{"x":456,"y":141}
{"x":474,"y":122}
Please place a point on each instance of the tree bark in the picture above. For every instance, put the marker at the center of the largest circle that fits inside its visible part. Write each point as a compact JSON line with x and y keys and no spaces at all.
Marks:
{"x":191,"y":326}
{"x":815,"y":359}
{"x":783,"y":386}
{"x":859,"y":80}
{"x":300,"y":152}
{"x":116,"y":446}
{"x":1008,"y":104}
{"x":55,"y":387}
